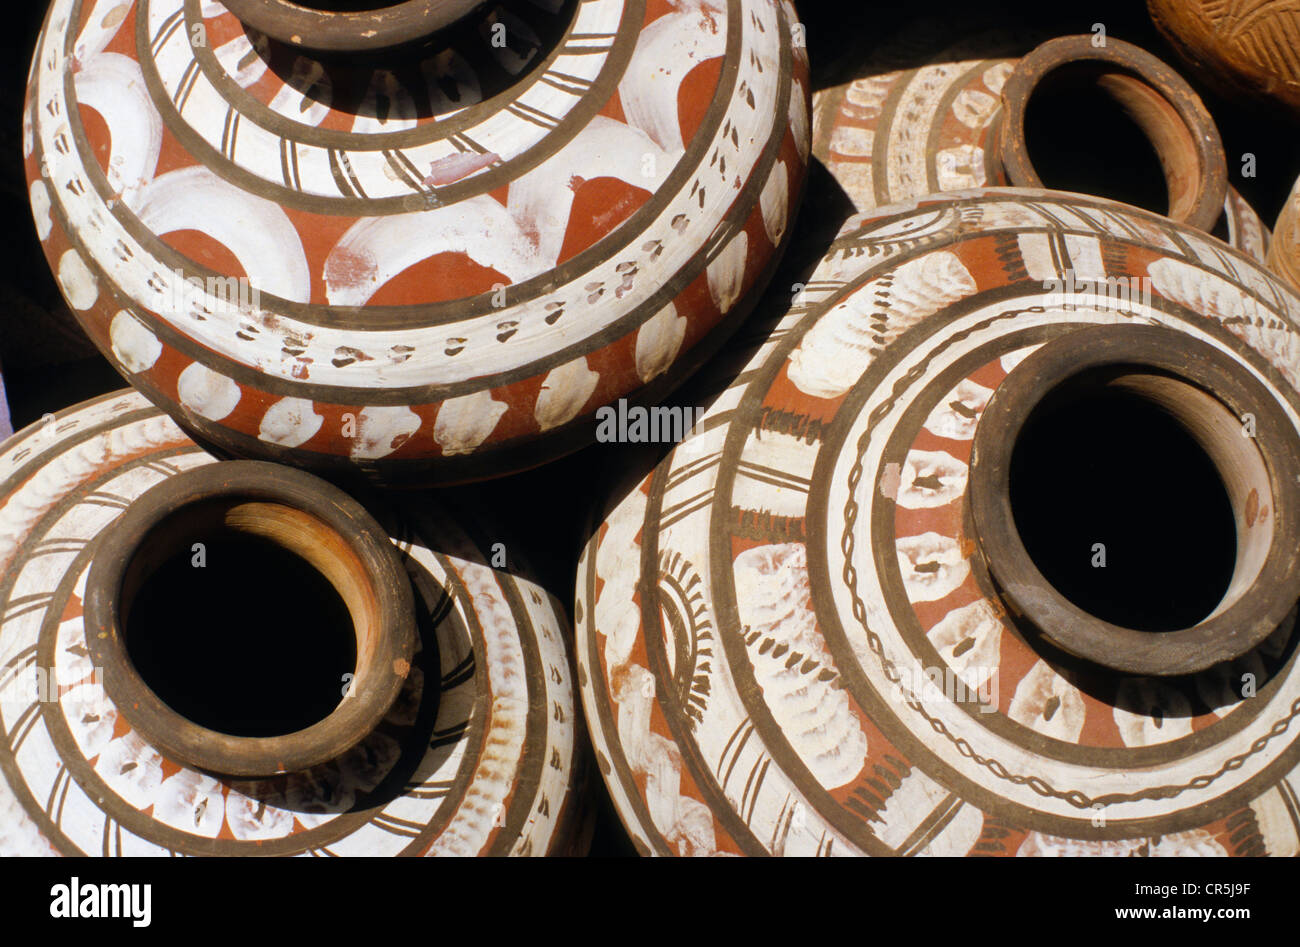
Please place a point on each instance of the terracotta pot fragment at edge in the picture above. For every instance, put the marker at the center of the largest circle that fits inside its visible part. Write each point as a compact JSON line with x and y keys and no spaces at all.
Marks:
{"x":1246,"y":51}
{"x":1284,"y":252}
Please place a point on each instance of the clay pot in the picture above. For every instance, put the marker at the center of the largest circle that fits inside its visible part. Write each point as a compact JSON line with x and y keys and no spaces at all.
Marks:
{"x":898,"y":135}
{"x":432,"y":740}
{"x":814,"y":628}
{"x":1246,"y":50}
{"x":6,"y":425}
{"x":1284,"y":249}
{"x":426,"y":264}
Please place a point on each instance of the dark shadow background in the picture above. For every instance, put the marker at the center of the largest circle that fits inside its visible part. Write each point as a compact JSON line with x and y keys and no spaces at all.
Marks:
{"x":48,"y":366}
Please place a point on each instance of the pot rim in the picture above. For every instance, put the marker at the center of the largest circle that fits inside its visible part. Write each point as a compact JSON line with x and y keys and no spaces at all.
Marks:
{"x":1159,"y":100}
{"x":1255,"y":605}
{"x":350,"y":31}
{"x":301,"y":513}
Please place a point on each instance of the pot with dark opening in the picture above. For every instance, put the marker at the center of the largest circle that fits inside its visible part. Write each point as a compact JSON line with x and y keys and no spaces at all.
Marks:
{"x":988,"y":549}
{"x":424,"y":263}
{"x":1070,"y":109}
{"x":229,"y":658}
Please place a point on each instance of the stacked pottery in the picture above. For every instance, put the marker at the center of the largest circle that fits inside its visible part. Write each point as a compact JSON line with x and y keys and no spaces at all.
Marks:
{"x":334,"y":241}
{"x":432,"y":243}
{"x":422,"y":264}
{"x":815,"y":628}
{"x":898,"y":134}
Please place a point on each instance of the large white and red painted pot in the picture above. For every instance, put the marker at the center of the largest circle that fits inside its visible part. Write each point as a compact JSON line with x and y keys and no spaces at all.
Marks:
{"x":427,"y":259}
{"x":233,"y":658}
{"x":932,"y":576}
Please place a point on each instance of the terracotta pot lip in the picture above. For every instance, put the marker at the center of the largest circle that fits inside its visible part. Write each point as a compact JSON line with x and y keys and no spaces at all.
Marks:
{"x":1227,"y":633}
{"x":350,"y":31}
{"x":383,"y":669}
{"x":1211,"y":172}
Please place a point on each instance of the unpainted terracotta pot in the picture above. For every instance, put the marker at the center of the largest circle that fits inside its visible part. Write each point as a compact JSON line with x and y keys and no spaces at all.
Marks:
{"x":1284,"y":251}
{"x":457,"y":734}
{"x":897,"y":135}
{"x":426,"y":264}
{"x":813,"y":628}
{"x":1245,"y":48}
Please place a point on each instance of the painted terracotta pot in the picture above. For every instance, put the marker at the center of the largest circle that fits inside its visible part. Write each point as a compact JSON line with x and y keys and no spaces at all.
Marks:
{"x":897,"y":135}
{"x":454,"y":731}
{"x":814,"y":630}
{"x":1284,"y":250}
{"x":1245,"y":48}
{"x":429,"y":264}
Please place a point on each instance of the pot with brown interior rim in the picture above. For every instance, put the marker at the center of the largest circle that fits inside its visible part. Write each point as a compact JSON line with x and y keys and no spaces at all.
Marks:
{"x":227,"y":505}
{"x":237,"y":658}
{"x":960,"y":120}
{"x":1246,"y":436}
{"x":987,"y":549}
{"x":431,"y":263}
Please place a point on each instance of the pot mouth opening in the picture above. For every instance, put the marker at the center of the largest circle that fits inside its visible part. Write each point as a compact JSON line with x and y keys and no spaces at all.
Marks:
{"x":246,"y":617}
{"x":1123,"y":482}
{"x":250,"y":619}
{"x":1073,"y":89}
{"x":340,"y":6}
{"x":1135,"y":494}
{"x":1110,"y":152}
{"x":350,"y":26}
